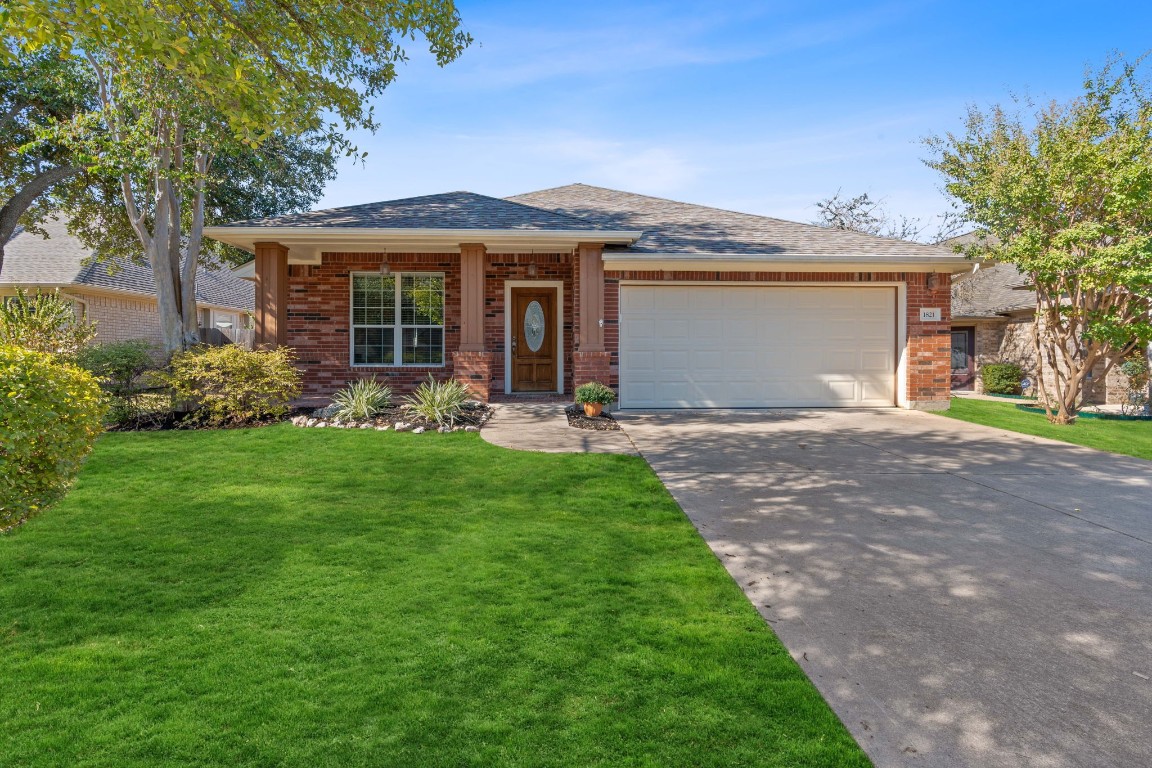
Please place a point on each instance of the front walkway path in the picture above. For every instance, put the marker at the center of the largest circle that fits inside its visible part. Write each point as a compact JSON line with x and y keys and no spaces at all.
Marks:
{"x":544,"y":427}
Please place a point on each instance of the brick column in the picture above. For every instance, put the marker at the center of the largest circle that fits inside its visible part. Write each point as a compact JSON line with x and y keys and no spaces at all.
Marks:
{"x":929,"y":344}
{"x":472,"y":364}
{"x":271,"y":311}
{"x":589,"y":361}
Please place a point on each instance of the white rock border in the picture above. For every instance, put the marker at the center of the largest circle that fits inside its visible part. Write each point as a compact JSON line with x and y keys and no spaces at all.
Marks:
{"x":315,"y":422}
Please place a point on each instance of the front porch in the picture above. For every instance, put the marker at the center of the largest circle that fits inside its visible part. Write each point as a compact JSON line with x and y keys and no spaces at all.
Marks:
{"x":503,"y":323}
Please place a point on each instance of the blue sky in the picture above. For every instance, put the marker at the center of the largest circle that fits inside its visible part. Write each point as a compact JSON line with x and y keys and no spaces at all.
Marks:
{"x":759,"y":107}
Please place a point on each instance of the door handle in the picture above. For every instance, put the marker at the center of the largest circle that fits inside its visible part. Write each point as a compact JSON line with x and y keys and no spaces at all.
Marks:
{"x":513,"y":345}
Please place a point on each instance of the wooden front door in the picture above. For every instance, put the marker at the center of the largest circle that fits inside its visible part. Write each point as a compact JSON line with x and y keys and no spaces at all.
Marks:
{"x":533,"y":341}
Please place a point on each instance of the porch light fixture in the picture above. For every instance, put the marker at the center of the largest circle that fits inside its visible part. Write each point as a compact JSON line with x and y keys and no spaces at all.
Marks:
{"x":532,"y":270}
{"x":385,"y":269}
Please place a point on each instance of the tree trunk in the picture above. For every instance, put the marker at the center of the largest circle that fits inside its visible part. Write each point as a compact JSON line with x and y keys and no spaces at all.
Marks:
{"x":16,"y":205}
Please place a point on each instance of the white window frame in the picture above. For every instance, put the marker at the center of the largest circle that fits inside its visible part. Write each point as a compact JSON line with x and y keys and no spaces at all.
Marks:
{"x":397,"y":327}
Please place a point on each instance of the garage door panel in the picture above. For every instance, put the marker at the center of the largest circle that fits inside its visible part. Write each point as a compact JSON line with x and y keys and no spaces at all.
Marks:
{"x":747,"y":346}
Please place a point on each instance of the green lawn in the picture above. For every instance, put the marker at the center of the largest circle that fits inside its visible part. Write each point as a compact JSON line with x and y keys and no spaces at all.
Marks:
{"x":1133,"y":438}
{"x":289,"y":597}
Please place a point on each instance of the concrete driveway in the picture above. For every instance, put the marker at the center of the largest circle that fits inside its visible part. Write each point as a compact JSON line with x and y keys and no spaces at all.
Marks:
{"x":962,"y":596}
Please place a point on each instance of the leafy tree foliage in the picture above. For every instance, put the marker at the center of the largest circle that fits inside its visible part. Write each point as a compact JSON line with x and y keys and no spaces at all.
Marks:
{"x":1066,"y":195}
{"x":183,"y":86}
{"x":36,"y":91}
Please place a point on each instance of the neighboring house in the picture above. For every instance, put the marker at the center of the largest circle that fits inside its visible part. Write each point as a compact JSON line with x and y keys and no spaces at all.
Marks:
{"x":119,"y":296}
{"x":676,"y":305}
{"x":993,"y":317}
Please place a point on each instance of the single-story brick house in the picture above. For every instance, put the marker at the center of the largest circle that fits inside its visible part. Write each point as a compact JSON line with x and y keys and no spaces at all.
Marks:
{"x":993,"y":315}
{"x":121,"y":301}
{"x":675,"y":305}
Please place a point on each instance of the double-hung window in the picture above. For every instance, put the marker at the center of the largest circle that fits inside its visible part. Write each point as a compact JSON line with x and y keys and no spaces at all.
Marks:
{"x":397,"y":319}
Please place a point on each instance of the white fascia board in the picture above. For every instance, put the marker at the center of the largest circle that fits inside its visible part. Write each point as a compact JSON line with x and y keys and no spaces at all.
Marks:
{"x":794,"y":262}
{"x":445,"y":240}
{"x":246,"y":271}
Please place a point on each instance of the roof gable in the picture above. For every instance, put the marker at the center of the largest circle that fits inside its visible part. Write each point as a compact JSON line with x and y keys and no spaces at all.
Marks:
{"x":990,"y":291}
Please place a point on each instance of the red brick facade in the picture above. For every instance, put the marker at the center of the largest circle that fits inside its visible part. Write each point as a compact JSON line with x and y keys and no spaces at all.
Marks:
{"x":319,"y":320}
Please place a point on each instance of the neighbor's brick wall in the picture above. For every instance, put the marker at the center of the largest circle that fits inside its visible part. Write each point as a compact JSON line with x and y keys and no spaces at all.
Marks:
{"x":319,"y":318}
{"x":119,"y":318}
{"x":929,"y":344}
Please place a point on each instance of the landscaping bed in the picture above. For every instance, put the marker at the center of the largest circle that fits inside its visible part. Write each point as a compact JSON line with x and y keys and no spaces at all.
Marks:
{"x":400,"y":418}
{"x":602,"y":423}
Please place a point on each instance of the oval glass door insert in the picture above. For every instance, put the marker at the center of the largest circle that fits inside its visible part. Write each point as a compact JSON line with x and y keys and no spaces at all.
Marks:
{"x":534,"y":326}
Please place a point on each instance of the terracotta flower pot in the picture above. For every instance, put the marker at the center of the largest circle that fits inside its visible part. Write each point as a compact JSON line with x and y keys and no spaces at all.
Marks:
{"x":593,"y":409}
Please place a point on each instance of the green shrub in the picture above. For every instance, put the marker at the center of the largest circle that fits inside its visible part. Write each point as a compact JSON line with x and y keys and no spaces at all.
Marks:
{"x":1001,"y":378}
{"x":594,"y":392}
{"x":439,"y":402}
{"x":1137,"y":375}
{"x":44,"y":322}
{"x":231,"y":385}
{"x":119,"y":364}
{"x":50,"y":414}
{"x":361,"y":399}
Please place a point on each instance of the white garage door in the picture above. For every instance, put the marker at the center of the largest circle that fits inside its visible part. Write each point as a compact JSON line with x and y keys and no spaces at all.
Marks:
{"x":701,"y":346}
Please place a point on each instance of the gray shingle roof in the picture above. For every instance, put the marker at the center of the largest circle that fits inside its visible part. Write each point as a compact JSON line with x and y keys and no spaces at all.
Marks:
{"x":451,"y":210}
{"x":62,"y":259}
{"x":990,"y":291}
{"x":673,"y":227}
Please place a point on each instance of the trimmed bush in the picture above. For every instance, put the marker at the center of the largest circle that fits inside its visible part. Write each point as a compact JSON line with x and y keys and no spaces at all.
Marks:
{"x":1001,"y":378}
{"x":361,"y":399}
{"x":232,"y":386}
{"x":439,"y":402}
{"x":119,"y":364}
{"x":50,"y":415}
{"x":594,"y":392}
{"x":44,"y":322}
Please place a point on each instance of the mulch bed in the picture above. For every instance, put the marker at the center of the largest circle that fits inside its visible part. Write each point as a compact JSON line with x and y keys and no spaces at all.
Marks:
{"x":602,"y":423}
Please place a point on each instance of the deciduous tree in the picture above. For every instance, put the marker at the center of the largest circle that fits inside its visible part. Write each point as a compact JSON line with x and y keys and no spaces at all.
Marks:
{"x":183,"y":84}
{"x":1066,"y":195}
{"x":37,"y":90}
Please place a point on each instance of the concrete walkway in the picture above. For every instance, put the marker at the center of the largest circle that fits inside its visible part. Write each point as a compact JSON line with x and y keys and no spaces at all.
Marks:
{"x":961,"y":595}
{"x":543,"y":427}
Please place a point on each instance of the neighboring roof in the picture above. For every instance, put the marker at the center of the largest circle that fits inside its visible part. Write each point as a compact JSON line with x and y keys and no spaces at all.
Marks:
{"x":451,"y":210}
{"x":62,"y":260}
{"x":672,"y":228}
{"x":991,"y":291}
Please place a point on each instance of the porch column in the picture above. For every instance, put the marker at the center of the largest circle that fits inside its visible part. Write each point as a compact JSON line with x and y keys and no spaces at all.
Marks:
{"x":590,"y":361}
{"x":271,"y":313}
{"x":472,"y":297}
{"x":471,"y":364}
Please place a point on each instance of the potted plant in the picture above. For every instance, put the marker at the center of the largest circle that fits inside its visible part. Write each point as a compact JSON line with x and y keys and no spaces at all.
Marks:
{"x":594,"y":396}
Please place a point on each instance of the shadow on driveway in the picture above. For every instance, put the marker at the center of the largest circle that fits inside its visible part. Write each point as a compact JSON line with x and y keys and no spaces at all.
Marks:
{"x":962,"y":596}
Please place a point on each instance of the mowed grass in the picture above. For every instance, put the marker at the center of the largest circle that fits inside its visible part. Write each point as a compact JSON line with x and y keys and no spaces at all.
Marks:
{"x":289,"y":597}
{"x":1132,"y":438}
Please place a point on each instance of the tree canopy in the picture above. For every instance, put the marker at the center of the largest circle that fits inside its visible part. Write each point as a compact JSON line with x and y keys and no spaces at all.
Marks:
{"x":1065,"y":193}
{"x":37,"y":90}
{"x":264,"y":66}
{"x":184,"y":87}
